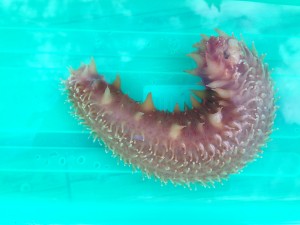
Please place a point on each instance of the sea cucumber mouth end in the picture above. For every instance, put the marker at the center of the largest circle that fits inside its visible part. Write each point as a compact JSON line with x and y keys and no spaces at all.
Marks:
{"x":83,"y":78}
{"x":219,"y":57}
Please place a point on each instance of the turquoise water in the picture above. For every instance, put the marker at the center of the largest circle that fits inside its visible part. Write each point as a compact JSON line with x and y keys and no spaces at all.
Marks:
{"x":51,"y":172}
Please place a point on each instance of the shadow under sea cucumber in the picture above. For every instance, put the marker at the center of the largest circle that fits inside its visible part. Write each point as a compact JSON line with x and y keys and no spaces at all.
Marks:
{"x":217,"y":137}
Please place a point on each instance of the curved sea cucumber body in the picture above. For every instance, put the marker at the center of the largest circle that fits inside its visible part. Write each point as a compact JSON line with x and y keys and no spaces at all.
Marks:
{"x":217,"y":137}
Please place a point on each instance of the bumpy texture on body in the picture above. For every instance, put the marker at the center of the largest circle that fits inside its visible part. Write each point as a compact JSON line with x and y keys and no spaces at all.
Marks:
{"x":217,"y":137}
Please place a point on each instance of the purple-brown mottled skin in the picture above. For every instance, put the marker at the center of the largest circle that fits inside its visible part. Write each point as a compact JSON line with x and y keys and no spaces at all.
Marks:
{"x":215,"y":138}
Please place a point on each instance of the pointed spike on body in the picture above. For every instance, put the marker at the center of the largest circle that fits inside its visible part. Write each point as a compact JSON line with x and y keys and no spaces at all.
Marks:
{"x":186,"y":107}
{"x":242,"y":39}
{"x":138,"y":116}
{"x":224,"y":103}
{"x":196,"y":57}
{"x":92,"y":66}
{"x":175,"y":131}
{"x":217,"y":84}
{"x":148,"y":105}
{"x":85,"y":71}
{"x":263,"y":56}
{"x":197,"y":45}
{"x":192,"y":72}
{"x":221,"y":33}
{"x":224,"y":93}
{"x":71,"y":70}
{"x":216,"y":119}
{"x":195,"y":103}
{"x":200,"y":83}
{"x":176,"y":108}
{"x":199,"y":93}
{"x":204,"y":37}
{"x":254,"y":51}
{"x":117,"y":82}
{"x":107,"y":97}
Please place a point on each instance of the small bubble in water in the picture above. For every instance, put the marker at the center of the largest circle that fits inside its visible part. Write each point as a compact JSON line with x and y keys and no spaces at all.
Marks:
{"x":81,"y":160}
{"x":62,"y":161}
{"x":53,"y":154}
{"x":38,"y":157}
{"x":25,"y":187}
{"x":97,"y":165}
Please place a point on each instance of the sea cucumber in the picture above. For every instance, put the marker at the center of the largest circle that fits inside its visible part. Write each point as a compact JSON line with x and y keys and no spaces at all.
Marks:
{"x":226,"y":127}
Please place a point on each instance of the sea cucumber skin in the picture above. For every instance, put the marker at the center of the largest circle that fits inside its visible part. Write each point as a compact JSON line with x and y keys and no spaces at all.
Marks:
{"x":214,"y":139}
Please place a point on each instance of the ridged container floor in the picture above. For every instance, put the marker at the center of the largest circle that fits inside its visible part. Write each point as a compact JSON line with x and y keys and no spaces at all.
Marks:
{"x":51,"y":171}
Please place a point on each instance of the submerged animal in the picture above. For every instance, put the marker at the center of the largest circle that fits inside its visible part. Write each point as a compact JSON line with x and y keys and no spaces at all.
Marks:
{"x":226,"y":127}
